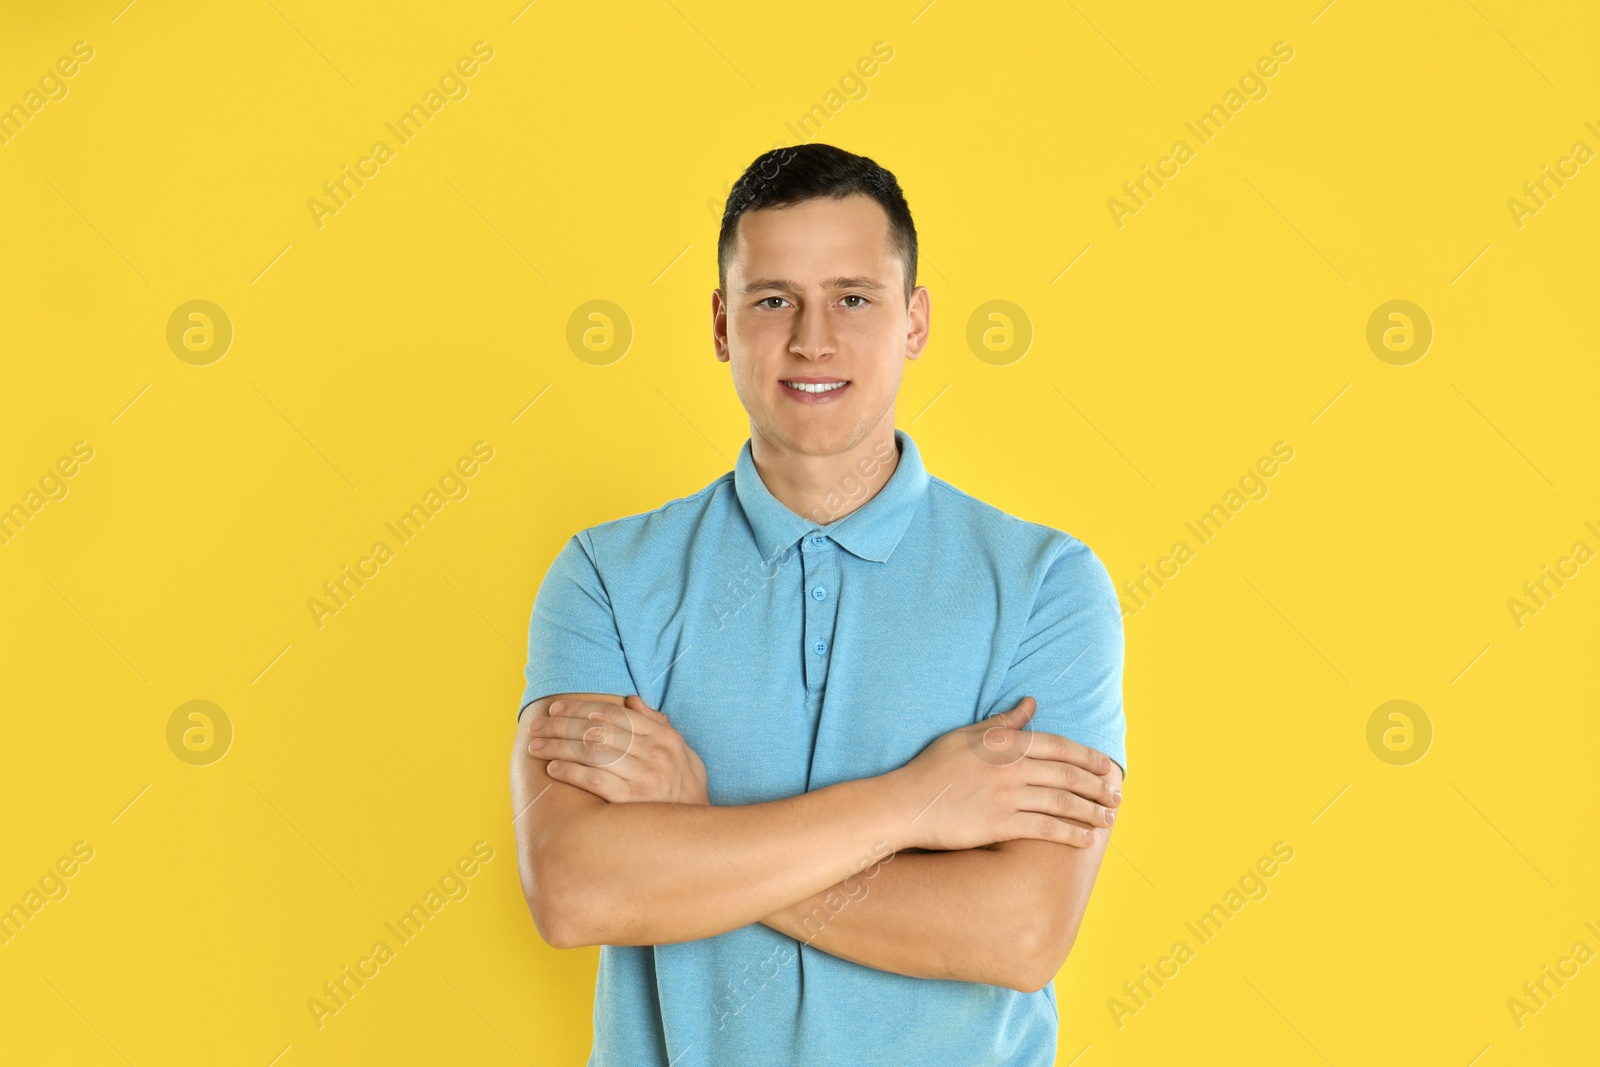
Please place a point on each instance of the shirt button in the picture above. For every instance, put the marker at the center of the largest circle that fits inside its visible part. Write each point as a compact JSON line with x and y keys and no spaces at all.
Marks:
{"x":819,"y":541}
{"x":819,"y":593}
{"x":820,"y":647}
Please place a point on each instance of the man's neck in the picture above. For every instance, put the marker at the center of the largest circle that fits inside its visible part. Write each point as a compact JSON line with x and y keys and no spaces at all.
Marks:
{"x":824,"y":489}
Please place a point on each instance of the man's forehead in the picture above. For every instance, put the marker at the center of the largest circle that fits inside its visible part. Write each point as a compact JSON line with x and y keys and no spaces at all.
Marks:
{"x":822,"y":242}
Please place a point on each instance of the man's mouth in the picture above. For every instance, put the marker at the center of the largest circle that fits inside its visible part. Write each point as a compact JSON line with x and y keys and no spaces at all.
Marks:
{"x":803,"y":386}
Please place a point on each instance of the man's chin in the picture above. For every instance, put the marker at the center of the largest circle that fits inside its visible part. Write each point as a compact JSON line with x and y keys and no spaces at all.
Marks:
{"x":810,"y":439}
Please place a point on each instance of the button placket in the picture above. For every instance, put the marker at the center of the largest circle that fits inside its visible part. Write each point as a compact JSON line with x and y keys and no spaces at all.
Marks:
{"x":819,"y":606}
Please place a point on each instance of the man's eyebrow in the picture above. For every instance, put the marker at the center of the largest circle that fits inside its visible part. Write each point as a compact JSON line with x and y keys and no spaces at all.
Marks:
{"x":795,"y":287}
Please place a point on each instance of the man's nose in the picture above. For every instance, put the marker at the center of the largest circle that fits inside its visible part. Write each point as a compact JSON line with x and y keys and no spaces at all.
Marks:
{"x":813,"y":334}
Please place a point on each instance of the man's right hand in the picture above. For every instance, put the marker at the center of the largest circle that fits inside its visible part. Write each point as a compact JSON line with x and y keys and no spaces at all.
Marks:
{"x":618,"y":753}
{"x":993,"y":781}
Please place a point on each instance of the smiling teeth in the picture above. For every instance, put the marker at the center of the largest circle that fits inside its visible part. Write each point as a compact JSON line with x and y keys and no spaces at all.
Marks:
{"x":815,"y":387}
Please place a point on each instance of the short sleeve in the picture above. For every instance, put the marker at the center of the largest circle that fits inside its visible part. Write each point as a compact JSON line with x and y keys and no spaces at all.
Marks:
{"x":573,"y":642}
{"x":1070,"y":658}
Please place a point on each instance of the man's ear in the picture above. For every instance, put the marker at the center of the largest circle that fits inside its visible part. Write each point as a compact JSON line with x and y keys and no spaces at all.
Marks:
{"x":919,"y":313}
{"x":719,"y":326}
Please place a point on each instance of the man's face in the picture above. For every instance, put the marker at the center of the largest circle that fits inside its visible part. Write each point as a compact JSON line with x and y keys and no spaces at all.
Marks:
{"x":816,"y":296}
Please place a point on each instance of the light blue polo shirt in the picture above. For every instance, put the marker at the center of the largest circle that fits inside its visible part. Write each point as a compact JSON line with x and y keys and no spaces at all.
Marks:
{"x":792,"y":656}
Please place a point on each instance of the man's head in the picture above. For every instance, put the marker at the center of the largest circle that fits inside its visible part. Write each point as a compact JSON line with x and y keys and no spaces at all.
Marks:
{"x":817,"y":262}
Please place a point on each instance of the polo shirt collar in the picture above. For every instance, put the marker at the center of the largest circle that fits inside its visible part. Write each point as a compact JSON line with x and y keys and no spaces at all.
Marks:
{"x":871,"y":531}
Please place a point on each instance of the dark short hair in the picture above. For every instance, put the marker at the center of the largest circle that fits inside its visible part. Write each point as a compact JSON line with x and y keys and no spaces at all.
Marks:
{"x":786,"y":176}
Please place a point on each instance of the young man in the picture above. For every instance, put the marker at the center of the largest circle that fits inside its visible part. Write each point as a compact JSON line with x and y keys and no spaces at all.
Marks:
{"x":774,"y":754}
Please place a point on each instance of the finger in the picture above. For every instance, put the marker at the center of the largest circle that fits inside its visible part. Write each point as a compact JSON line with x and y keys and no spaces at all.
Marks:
{"x":601,"y":729}
{"x":581,"y":709}
{"x":1072,"y":778}
{"x":1065,"y":749}
{"x":1017,"y":717}
{"x":636,"y":703}
{"x":618,"y":715}
{"x":592,"y":749}
{"x":1066,"y":805}
{"x":1034,"y":826}
{"x":601,"y":783}
{"x":615,"y":714}
{"x":576,"y":752}
{"x":1061,"y":803}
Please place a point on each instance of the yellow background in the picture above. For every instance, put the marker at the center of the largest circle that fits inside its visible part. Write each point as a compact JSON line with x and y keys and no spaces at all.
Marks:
{"x":589,"y":161}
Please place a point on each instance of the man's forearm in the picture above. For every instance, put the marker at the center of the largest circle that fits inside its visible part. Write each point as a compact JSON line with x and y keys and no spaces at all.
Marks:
{"x":979,"y":915}
{"x":653,"y":873}
{"x":596,"y":870}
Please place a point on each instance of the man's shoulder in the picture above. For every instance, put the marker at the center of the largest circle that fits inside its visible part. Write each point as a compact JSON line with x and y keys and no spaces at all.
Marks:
{"x":662,"y":528}
{"x":1039,"y":561}
{"x":1009,"y":535}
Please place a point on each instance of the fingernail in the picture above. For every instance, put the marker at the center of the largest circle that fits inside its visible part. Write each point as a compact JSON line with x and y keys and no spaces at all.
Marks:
{"x":557,"y":706}
{"x":1116,"y":796}
{"x":538,"y":742}
{"x":1111,"y":817}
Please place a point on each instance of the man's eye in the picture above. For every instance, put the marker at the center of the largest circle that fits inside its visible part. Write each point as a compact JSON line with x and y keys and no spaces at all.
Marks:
{"x":853,"y":296}
{"x":764,"y":300}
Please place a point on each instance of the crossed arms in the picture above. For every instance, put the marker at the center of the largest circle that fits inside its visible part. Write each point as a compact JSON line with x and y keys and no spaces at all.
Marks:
{"x":972,"y":862}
